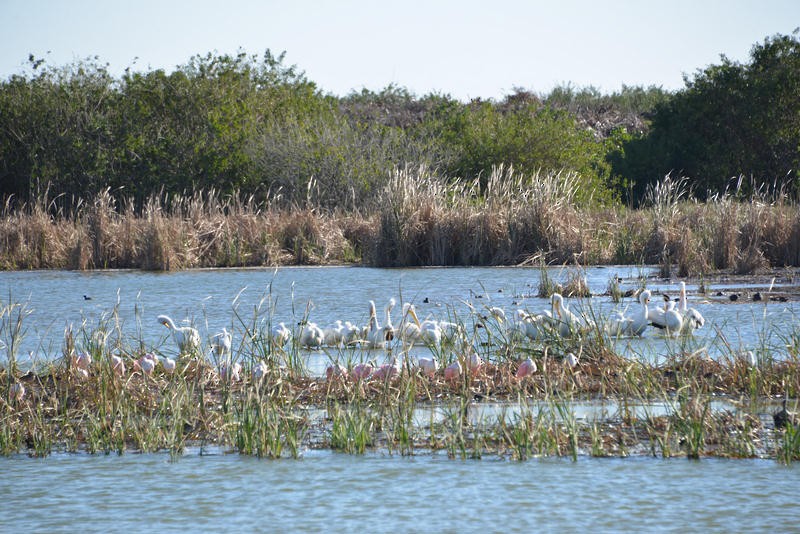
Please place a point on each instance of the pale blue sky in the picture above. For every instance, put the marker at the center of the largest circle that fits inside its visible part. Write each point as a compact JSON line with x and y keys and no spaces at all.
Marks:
{"x":463,"y":48}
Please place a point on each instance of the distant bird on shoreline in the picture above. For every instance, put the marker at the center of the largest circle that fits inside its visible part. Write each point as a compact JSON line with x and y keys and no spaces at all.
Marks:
{"x":783,"y":418}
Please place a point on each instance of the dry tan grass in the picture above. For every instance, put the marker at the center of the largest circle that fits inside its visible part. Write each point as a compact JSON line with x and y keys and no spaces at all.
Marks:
{"x":417,"y":219}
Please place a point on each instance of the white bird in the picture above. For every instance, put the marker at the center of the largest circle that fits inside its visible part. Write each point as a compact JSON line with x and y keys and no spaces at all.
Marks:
{"x":146,"y":364}
{"x":168,"y":364}
{"x":351,"y":333}
{"x":634,"y":324}
{"x":667,"y":318}
{"x":517,"y":329}
{"x":280,"y":335}
{"x":311,"y":335}
{"x":409,"y":330}
{"x":222,"y":343}
{"x":692,"y":319}
{"x":333,"y":334}
{"x":570,"y":360}
{"x":474,"y":362}
{"x":566,"y":322}
{"x":498,"y":313}
{"x":260,"y":370}
{"x":430,"y":333}
{"x":748,"y":357}
{"x":377,"y":336}
{"x":532,"y":326}
{"x":230,"y":372}
{"x":186,"y":337}
{"x":429,"y":366}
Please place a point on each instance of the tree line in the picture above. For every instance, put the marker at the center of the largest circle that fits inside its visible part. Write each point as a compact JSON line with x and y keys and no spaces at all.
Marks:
{"x":253,"y":125}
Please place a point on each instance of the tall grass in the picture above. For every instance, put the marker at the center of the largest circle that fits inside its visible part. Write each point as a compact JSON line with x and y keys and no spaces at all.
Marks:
{"x":416,"y":218}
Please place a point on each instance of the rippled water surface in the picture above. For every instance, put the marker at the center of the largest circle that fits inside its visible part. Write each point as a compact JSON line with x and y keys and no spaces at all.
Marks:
{"x":340,"y":493}
{"x":213,"y":299}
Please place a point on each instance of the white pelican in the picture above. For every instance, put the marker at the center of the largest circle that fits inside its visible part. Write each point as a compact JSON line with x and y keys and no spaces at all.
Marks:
{"x":311,"y":335}
{"x":280,"y":335}
{"x":429,"y":366}
{"x":378,"y":336}
{"x":533,"y":326}
{"x":634,"y":324}
{"x":667,"y":318}
{"x":692,"y":318}
{"x":567,"y":322}
{"x":409,"y":329}
{"x":186,"y":337}
{"x":430,"y":333}
{"x":334,"y":333}
{"x":517,"y":328}
{"x":498,"y":313}
{"x":526,"y":368}
{"x":352,"y":333}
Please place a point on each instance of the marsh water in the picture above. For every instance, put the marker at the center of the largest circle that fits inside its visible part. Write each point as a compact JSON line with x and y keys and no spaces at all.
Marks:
{"x":332,"y":492}
{"x":376,"y":492}
{"x":128,"y":302}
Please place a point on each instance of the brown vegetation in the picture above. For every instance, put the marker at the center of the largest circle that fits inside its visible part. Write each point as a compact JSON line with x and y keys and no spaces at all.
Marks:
{"x":418,"y":219}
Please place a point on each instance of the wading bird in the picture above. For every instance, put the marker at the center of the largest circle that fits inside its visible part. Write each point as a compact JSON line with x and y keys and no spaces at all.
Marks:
{"x":526,"y":368}
{"x":378,"y":336}
{"x":221,"y":343}
{"x":186,"y":337}
{"x":692,"y":319}
{"x":311,"y":335}
{"x":280,"y":335}
{"x":566,"y":322}
{"x":429,"y":366}
{"x":634,"y":324}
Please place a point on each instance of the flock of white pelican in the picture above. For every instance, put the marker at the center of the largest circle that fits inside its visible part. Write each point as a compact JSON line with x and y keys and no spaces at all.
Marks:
{"x":673,"y":319}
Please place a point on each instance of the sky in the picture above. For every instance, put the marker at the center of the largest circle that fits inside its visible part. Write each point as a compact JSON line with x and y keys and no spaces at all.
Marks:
{"x":465,"y":49}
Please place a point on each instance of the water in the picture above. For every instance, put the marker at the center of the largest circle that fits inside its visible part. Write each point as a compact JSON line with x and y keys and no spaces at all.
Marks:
{"x":326,"y":491}
{"x":213,"y":299}
{"x":333,"y":492}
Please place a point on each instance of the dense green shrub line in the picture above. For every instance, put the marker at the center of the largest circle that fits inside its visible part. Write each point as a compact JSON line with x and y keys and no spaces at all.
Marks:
{"x":255,"y":126}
